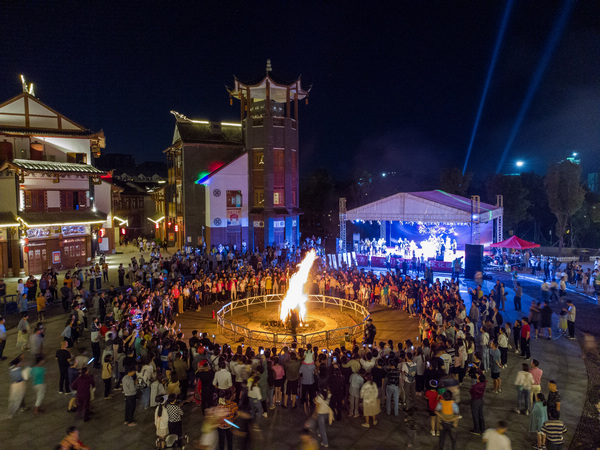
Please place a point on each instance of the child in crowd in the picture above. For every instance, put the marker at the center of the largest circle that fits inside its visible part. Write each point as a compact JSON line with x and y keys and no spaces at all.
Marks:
{"x":562,"y":322}
{"x":433,"y":398}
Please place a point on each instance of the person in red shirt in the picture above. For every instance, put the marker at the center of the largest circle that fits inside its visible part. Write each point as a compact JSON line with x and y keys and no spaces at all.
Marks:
{"x":176,"y":295}
{"x":525,"y":338}
{"x":433,"y":398}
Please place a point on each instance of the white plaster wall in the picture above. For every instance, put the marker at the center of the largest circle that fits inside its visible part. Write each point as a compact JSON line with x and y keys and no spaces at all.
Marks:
{"x":234,"y":177}
{"x":55,"y":148}
{"x":68,"y":182}
{"x":102,"y":199}
{"x":61,"y":146}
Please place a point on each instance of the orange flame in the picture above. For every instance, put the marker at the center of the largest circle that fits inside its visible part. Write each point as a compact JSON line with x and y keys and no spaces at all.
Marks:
{"x":295,"y":299}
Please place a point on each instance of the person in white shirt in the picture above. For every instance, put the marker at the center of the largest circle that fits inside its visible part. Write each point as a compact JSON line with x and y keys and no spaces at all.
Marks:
{"x":545,"y":290}
{"x":222,"y":380}
{"x":496,"y":439}
{"x":524,"y":382}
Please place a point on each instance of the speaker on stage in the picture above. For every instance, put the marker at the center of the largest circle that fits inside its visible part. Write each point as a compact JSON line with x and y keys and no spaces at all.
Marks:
{"x":473,"y":260}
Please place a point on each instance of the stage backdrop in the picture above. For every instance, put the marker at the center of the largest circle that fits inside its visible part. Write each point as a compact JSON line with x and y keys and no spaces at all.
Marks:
{"x":424,"y":238}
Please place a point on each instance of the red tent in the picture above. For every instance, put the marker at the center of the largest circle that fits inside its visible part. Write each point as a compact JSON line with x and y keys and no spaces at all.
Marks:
{"x":516,"y":243}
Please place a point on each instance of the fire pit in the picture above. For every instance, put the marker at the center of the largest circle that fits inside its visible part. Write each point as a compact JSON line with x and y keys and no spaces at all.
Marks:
{"x":276,"y":320}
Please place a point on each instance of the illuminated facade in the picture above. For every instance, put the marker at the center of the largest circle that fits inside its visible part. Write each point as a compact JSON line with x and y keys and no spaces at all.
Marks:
{"x":54,"y":205}
{"x":231,"y":183}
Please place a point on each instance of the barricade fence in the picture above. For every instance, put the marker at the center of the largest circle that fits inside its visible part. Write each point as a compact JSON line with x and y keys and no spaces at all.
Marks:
{"x":322,"y":339}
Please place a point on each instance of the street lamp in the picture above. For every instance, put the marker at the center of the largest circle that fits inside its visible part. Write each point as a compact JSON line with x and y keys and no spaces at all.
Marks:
{"x":520,"y":163}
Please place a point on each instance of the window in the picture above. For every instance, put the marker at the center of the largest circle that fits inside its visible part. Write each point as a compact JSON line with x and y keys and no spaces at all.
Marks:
{"x":278,"y":168}
{"x":73,"y":200}
{"x":278,"y":197}
{"x":259,"y":160}
{"x":78,"y":158}
{"x":35,"y":200}
{"x":234,"y":199}
{"x":259,"y":197}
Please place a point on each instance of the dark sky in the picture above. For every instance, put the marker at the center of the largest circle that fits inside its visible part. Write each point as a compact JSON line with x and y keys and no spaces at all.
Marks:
{"x":395,"y":84}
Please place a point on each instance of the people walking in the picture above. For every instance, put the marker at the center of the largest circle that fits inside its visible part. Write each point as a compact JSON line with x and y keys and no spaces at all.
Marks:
{"x":38,"y":381}
{"x":496,"y":438}
{"x":83,"y":385}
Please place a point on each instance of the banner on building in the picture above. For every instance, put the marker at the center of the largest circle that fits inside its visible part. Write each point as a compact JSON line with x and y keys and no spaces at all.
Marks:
{"x":234,"y":217}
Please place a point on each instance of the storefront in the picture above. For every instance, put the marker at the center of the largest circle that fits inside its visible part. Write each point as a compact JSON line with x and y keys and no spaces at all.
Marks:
{"x":60,"y":247}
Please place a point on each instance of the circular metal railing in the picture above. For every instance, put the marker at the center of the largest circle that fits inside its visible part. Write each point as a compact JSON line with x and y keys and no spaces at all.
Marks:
{"x":323,"y":339}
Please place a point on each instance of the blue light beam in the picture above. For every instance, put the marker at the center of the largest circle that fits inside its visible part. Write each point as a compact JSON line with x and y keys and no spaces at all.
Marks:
{"x":488,"y":80}
{"x":551,"y":44}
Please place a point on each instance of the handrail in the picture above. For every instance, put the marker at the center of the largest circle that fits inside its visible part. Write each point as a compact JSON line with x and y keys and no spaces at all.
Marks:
{"x":318,"y":337}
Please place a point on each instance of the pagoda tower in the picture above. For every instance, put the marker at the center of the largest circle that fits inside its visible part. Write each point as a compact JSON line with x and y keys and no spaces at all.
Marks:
{"x":269,"y":116}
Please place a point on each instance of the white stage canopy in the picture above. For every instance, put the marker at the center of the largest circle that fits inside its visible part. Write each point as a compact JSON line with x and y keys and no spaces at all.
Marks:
{"x":427,"y":207}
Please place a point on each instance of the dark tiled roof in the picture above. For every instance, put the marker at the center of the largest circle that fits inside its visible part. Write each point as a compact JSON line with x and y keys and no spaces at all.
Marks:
{"x":204,"y":132}
{"x":44,"y":132}
{"x":55,"y":167}
{"x":61,"y":218}
{"x":8,"y":218}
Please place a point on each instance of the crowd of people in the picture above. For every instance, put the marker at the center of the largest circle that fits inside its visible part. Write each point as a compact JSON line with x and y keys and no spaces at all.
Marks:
{"x":129,"y":338}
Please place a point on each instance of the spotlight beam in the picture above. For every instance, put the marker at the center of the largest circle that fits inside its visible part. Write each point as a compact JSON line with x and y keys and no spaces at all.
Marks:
{"x":488,"y":80}
{"x":551,"y":44}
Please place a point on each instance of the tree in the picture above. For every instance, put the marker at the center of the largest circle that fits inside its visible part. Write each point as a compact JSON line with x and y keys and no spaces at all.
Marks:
{"x":565,"y":195}
{"x":453,"y":181}
{"x":539,"y":227}
{"x":515,"y":198}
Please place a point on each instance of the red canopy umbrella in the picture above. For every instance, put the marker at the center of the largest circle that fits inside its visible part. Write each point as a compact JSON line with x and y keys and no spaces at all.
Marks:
{"x":516,"y":243}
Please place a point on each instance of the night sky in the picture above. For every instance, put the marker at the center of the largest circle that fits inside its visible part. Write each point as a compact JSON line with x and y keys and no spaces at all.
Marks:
{"x":395,"y":84}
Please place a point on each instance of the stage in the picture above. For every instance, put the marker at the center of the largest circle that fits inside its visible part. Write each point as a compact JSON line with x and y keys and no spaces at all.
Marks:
{"x":380,"y":262}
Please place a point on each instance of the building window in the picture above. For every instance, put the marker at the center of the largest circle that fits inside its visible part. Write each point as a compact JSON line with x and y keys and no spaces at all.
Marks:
{"x":35,"y":200}
{"x":78,"y":158}
{"x":278,"y":197}
{"x":234,"y":199}
{"x":73,"y":200}
{"x":259,"y":197}
{"x":259,"y":160}
{"x":278,"y":168}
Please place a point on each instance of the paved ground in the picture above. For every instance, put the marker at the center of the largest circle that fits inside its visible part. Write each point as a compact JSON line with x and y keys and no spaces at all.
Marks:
{"x":560,"y":359}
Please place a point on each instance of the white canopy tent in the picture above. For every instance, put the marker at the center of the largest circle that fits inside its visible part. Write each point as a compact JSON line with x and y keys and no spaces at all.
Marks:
{"x":427,"y":207}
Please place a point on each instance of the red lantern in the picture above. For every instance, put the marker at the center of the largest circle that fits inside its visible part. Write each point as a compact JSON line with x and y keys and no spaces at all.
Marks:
{"x":26,"y":241}
{"x":26,"y":249}
{"x":156,"y":225}
{"x":100,"y":240}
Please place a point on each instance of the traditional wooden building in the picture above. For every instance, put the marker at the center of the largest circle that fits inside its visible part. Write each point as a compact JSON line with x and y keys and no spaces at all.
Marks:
{"x":54,"y":202}
{"x":237,"y":182}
